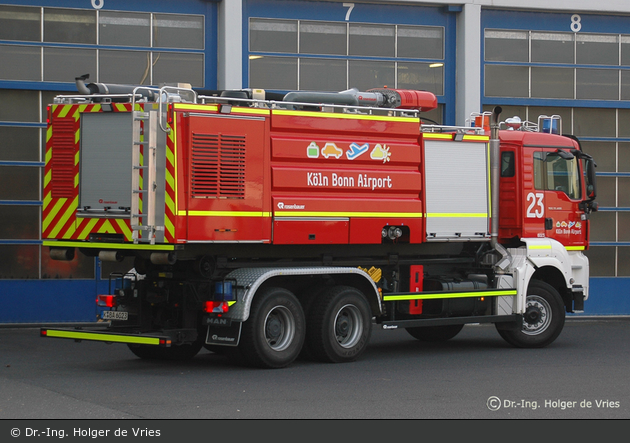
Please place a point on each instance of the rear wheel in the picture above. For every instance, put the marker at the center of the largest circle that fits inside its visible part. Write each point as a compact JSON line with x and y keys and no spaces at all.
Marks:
{"x":273,"y":335}
{"x":543,"y":319}
{"x":340,"y":324}
{"x":435,"y":333}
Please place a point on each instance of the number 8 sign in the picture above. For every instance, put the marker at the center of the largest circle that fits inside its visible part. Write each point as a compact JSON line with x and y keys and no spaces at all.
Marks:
{"x":576,"y":23}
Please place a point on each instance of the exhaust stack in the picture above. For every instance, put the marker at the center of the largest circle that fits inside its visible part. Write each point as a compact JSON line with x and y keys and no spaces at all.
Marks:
{"x":495,"y":174}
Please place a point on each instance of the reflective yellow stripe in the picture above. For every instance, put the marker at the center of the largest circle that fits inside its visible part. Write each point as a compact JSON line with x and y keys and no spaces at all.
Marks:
{"x":347,"y":214}
{"x":78,"y":244}
{"x":47,"y":199}
{"x":103,"y":337}
{"x":107,"y":228}
{"x":88,"y":228}
{"x":190,"y":107}
{"x":48,"y":176}
{"x":489,"y":176}
{"x":456,"y":215}
{"x":255,"y":111}
{"x":169,"y":226}
{"x":575,"y":248}
{"x":421,"y":296}
{"x":449,"y":136}
{"x":54,"y":211}
{"x":170,"y":203}
{"x":436,"y":135}
{"x":484,"y":138}
{"x":224,"y":213}
{"x":122,"y":225}
{"x":300,"y":214}
{"x":539,"y":246}
{"x":172,"y":135}
{"x":345,"y":116}
{"x":64,"y":218}
{"x":64,"y":110}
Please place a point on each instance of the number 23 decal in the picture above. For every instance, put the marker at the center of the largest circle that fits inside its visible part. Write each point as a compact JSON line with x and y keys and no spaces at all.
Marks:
{"x":536,"y":208}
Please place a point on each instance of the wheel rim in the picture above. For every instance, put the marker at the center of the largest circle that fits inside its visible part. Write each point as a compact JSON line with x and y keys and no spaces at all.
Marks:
{"x":537,"y":316}
{"x":348,"y":326}
{"x":279,"y":328}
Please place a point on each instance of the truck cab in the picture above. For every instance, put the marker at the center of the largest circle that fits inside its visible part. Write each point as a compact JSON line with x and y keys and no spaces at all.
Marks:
{"x":547,"y":188}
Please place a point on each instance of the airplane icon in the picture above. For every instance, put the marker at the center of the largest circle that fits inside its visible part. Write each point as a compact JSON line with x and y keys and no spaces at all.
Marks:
{"x":356,"y":150}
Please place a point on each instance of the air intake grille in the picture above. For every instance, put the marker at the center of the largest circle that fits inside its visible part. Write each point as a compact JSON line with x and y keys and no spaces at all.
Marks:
{"x":62,"y":158}
{"x":218,"y":166}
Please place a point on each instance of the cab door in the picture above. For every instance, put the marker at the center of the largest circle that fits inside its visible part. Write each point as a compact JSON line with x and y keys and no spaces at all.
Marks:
{"x":551,"y":202}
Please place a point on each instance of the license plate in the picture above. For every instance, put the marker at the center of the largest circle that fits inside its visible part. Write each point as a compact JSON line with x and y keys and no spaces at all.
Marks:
{"x":115,"y":315}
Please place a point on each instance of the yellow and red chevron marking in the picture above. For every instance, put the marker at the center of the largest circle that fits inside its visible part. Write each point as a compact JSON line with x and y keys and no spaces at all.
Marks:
{"x":59,"y":219}
{"x":170,"y":207}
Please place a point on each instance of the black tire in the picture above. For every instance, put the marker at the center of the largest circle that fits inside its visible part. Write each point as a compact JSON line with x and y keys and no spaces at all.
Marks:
{"x":273,"y":335}
{"x":339,"y":325}
{"x":435,"y":333}
{"x":175,"y":352}
{"x":543,"y":319}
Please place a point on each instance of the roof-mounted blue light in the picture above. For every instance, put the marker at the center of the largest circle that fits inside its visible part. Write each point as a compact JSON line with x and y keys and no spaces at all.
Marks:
{"x":550,"y":125}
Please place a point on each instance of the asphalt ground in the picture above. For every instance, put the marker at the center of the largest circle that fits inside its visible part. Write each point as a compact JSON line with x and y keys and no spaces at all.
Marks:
{"x":583,"y":375}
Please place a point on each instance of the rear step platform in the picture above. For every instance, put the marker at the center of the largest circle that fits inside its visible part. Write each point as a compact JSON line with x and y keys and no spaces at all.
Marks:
{"x":107,"y":337}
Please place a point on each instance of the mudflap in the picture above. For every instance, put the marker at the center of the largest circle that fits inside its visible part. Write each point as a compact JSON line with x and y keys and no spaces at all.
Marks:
{"x":224,"y":335}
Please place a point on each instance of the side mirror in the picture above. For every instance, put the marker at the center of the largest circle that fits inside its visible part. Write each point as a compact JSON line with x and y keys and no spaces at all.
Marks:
{"x":591,"y":184}
{"x":564,"y":154}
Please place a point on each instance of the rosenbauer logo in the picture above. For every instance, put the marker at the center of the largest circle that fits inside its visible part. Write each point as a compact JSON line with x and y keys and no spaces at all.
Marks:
{"x":101,"y":201}
{"x":281,"y":205}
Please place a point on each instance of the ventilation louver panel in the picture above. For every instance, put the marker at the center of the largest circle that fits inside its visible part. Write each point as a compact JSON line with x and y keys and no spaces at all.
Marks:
{"x":218,"y":166}
{"x":62,"y":158}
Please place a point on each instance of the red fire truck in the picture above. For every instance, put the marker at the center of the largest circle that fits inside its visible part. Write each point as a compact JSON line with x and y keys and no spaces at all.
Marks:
{"x":269,"y":226}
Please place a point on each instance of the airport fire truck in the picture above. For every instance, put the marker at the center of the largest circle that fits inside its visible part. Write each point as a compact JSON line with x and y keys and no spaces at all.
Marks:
{"x":271,"y":226}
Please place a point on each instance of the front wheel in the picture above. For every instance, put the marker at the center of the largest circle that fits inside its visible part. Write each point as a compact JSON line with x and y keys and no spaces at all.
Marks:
{"x":273,"y":335}
{"x":543,"y":319}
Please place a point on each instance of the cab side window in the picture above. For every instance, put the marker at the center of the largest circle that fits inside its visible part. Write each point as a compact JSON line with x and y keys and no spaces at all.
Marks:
{"x":507,"y":164}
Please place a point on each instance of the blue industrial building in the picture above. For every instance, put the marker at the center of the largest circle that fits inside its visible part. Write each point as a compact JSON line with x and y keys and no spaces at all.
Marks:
{"x":530,"y":57}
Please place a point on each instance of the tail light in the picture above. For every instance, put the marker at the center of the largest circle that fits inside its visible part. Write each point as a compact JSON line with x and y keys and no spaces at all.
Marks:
{"x":106,"y":301}
{"x":217,"y":307}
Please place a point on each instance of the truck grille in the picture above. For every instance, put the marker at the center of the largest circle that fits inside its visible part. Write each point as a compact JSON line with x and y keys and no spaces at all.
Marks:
{"x":218,"y":166}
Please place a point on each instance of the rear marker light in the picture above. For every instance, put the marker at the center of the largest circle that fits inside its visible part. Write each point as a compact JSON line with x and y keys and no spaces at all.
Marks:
{"x":170,"y":115}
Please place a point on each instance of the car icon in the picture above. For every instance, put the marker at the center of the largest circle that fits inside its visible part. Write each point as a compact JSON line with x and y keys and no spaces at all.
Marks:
{"x":331,"y":150}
